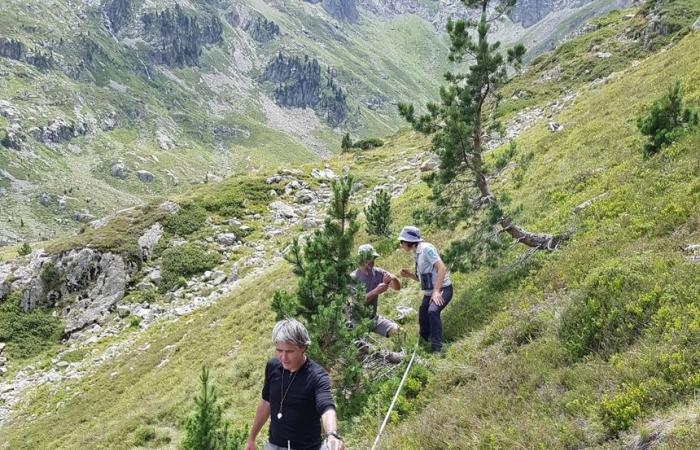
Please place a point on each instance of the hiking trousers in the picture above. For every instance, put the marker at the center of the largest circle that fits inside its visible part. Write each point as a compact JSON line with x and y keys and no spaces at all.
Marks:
{"x":429,"y":322}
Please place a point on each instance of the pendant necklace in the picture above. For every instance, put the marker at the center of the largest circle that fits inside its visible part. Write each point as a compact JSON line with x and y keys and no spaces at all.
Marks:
{"x":285,"y":392}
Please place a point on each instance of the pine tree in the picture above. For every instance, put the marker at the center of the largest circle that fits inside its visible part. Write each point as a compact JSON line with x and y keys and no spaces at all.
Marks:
{"x":458,"y":126}
{"x":346,"y":144}
{"x":24,"y":249}
{"x":324,"y":293}
{"x":667,"y":121}
{"x":206,"y":429}
{"x":378,"y":215}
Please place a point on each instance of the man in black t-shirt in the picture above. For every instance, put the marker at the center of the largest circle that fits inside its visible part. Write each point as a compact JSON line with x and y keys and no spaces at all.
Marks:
{"x":296,"y":396}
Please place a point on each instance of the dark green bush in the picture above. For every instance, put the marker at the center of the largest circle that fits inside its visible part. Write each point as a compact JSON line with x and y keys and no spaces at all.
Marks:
{"x":667,"y":120}
{"x":50,"y":277}
{"x":189,"y":219}
{"x":24,"y":249}
{"x":185,"y":261}
{"x":369,"y":143}
{"x":27,"y":333}
{"x":613,"y":306}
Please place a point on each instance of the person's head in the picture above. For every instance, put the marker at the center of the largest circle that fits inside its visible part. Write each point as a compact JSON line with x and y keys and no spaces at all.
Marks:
{"x":291,"y":341}
{"x":409,"y":238}
{"x":366,"y":256}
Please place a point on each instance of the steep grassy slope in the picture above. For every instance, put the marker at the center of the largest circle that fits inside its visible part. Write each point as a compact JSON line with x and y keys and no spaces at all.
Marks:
{"x":622,"y":288}
{"x":119,"y":402}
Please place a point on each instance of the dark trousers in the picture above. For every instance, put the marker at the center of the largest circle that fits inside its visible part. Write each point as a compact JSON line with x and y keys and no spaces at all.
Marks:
{"x":430,"y":325}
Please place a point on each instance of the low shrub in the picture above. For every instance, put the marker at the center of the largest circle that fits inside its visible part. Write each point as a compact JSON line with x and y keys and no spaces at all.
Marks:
{"x":189,"y":219}
{"x":27,"y":333}
{"x":185,"y":261}
{"x":614,"y":304}
{"x":369,"y":143}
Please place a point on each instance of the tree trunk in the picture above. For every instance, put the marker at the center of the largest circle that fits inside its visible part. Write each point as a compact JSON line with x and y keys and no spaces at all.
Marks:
{"x":533,"y":240}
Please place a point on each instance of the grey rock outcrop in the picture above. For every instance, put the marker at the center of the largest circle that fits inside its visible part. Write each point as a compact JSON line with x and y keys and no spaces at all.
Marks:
{"x":84,"y":283}
{"x":282,"y":210}
{"x":148,"y":241}
{"x":145,"y":176}
{"x":119,"y":170}
{"x":108,"y":276}
{"x":164,"y":141}
{"x":60,"y":131}
{"x":82,"y":216}
{"x":45,"y":199}
{"x":14,"y":137}
{"x":696,"y":25}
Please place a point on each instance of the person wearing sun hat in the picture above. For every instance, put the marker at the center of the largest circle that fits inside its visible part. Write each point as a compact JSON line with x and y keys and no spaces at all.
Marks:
{"x":376,"y":281}
{"x":435,"y":282}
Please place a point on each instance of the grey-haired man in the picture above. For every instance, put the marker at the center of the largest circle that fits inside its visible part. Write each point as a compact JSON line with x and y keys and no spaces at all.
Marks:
{"x":296,"y":396}
{"x":376,"y":281}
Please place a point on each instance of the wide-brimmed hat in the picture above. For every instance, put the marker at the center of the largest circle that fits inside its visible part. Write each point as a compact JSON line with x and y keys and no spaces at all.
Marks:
{"x":366,"y":252}
{"x":410,"y":234}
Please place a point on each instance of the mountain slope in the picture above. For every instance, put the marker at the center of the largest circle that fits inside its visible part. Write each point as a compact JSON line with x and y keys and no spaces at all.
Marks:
{"x":509,"y":378}
{"x":107,"y":104}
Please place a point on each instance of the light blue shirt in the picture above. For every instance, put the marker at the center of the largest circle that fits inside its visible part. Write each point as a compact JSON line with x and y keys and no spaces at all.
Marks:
{"x":426,"y":257}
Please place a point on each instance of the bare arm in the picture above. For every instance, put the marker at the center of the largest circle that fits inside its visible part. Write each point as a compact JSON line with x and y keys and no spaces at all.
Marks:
{"x":262,"y":413}
{"x":436,"y":297}
{"x":407,"y":273}
{"x":330,"y":425}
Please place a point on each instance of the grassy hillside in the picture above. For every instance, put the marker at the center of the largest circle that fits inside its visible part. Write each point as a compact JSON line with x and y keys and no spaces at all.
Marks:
{"x":595,"y":345}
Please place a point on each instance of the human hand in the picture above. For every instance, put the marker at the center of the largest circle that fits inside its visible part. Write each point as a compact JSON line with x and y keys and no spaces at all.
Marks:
{"x":381,"y":288}
{"x":333,"y":443}
{"x":436,"y":298}
{"x":387,"y":278}
{"x":249,"y":445}
{"x":406,"y":273}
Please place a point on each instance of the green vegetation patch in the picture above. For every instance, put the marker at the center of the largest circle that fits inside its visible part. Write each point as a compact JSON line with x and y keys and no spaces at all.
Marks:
{"x":27,"y":333}
{"x":182,"y":262}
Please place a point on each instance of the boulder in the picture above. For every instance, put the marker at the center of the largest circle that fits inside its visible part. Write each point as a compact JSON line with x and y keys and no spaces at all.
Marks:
{"x":164,"y":141}
{"x":82,"y":216}
{"x":227,"y":239}
{"x":323,"y":174}
{"x":428,"y":166}
{"x":169,"y":207}
{"x":45,"y":199}
{"x":101,"y":280}
{"x":58,"y":131}
{"x":119,"y":170}
{"x":147,"y":242}
{"x":145,"y":176}
{"x":305,"y":196}
{"x":696,"y":25}
{"x":282,"y":210}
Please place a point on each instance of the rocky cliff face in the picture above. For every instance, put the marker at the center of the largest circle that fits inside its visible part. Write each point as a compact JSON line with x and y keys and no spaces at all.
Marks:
{"x":342,"y":10}
{"x":178,"y":37}
{"x":529,"y":12}
{"x":300,"y":84}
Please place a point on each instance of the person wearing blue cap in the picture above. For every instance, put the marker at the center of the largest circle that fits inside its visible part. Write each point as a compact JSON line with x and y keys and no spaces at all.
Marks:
{"x":435,"y":282}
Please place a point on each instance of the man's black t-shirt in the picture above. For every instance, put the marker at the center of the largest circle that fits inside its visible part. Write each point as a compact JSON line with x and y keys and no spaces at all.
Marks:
{"x":308,"y":397}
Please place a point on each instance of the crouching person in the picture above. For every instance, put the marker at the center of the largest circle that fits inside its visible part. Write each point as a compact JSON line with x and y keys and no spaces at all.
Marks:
{"x":296,"y":396}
